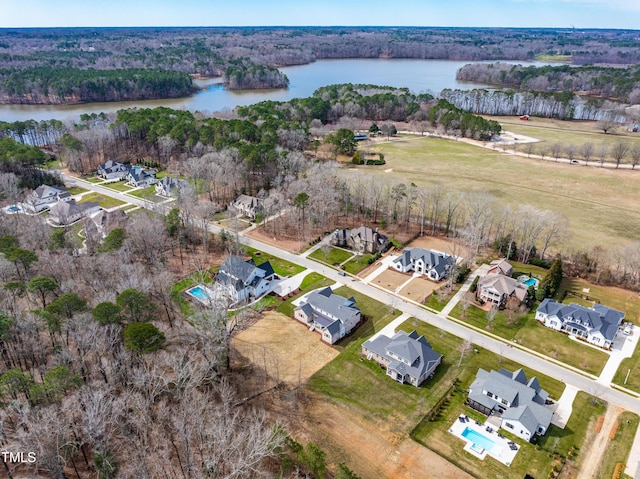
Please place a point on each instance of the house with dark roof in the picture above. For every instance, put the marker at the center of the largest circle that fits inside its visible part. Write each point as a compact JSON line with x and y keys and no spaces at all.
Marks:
{"x":433,"y":264}
{"x":597,"y":325}
{"x":501,"y":266}
{"x":98,"y":226}
{"x":498,"y":289}
{"x":242,"y":280}
{"x":408,"y":358}
{"x":67,"y":212}
{"x":247,"y":205}
{"x":518,"y":402}
{"x":334,"y":316}
{"x":360,"y":239}
{"x":140,"y":178}
{"x":113,"y":170}
{"x":170,"y":187}
{"x":44,"y":196}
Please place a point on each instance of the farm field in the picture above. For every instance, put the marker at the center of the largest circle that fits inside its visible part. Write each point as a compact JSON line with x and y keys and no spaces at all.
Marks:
{"x":608,"y":217}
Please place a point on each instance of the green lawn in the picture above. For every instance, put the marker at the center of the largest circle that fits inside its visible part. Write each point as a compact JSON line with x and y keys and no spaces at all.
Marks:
{"x":148,"y":193}
{"x":103,"y":200}
{"x":564,"y":188}
{"x":528,"y":269}
{"x":76,"y":190}
{"x":439,"y":301}
{"x":94,"y":179}
{"x":119,"y":186}
{"x":619,"y":447}
{"x":357,"y":264}
{"x":280,"y":266}
{"x":334,"y":257}
{"x":529,"y":333}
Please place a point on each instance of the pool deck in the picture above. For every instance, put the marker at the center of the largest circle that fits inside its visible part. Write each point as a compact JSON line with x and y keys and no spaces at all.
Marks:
{"x":500,"y":451}
{"x":211,"y":295}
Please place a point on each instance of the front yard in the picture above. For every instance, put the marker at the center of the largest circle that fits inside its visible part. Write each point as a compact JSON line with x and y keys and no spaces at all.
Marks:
{"x":334,"y":256}
{"x":526,"y":331}
{"x":104,"y":201}
{"x":118,"y":186}
{"x":280,"y":266}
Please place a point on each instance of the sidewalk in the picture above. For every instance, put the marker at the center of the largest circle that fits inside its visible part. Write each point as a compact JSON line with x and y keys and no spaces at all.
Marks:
{"x":616,"y":357}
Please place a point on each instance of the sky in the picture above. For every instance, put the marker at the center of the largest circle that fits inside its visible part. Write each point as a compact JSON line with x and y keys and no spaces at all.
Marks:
{"x":624,"y":14}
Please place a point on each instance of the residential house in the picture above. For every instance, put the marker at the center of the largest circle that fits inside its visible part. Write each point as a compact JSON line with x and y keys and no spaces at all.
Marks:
{"x":408,"y":358}
{"x":98,"y":226}
{"x":517,"y":401}
{"x":362,"y":239}
{"x":139,"y":177}
{"x":44,"y":196}
{"x":334,"y":316}
{"x":500,"y":289}
{"x":170,"y":187}
{"x":434,"y":264}
{"x":67,"y":212}
{"x":597,"y":325}
{"x":113,"y":170}
{"x":247,"y":205}
{"x":501,"y":266}
{"x":242,"y":280}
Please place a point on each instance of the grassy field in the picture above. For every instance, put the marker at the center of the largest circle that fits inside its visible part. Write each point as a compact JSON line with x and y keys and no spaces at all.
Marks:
{"x":104,"y":201}
{"x":334,"y":257}
{"x":280,"y":266}
{"x":148,"y":193}
{"x":564,"y":188}
{"x":526,"y":331}
{"x":119,"y":186}
{"x":357,"y":264}
{"x":76,"y":190}
{"x":619,"y":447}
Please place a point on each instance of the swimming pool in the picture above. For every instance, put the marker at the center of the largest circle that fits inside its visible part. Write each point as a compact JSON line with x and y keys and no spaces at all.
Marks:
{"x":201,"y":293}
{"x":528,"y":281}
{"x":479,"y":439}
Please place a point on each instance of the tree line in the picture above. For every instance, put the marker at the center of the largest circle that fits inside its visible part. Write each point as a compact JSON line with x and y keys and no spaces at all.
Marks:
{"x":253,"y":77}
{"x":56,"y":85}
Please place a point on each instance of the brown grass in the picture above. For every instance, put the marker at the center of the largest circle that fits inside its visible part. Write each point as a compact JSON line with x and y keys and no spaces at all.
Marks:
{"x":599,"y":423}
{"x":614,"y":430}
{"x":419,"y":289}
{"x":391,"y":279}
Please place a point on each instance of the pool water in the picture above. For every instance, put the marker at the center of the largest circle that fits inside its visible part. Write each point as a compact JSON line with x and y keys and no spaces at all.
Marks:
{"x":478,"y":439}
{"x":201,"y":293}
{"x":528,"y":281}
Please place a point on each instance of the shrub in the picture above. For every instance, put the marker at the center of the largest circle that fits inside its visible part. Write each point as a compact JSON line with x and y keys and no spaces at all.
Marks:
{"x":540,"y":262}
{"x":474,"y":285}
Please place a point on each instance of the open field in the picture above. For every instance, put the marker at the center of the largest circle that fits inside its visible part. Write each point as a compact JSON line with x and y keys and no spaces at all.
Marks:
{"x":283,"y":348}
{"x":529,"y":333}
{"x":104,"y":201}
{"x":419,"y":289}
{"x":76,"y":190}
{"x":608,"y":217}
{"x":619,"y":447}
{"x":119,"y":186}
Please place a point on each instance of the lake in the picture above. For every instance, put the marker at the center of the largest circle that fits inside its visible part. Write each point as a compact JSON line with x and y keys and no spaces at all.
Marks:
{"x":418,"y":75}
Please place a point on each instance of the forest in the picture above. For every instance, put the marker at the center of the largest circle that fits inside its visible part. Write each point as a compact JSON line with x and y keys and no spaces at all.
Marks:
{"x":620,"y":84}
{"x":248,"y":56}
{"x":57,"y":85}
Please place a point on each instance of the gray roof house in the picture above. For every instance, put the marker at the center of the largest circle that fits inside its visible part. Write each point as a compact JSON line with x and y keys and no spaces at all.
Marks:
{"x":334,"y":316}
{"x":434,"y":264}
{"x":170,"y":187}
{"x":501,"y":266}
{"x":408,"y":358}
{"x":597,"y":325}
{"x":98,"y":226}
{"x":498,"y":289}
{"x":44,"y":196}
{"x":241,"y":280}
{"x":139,"y":177}
{"x":247,"y":205}
{"x":360,"y":239}
{"x":67,"y":212}
{"x":110,"y":170}
{"x":519,"y":402}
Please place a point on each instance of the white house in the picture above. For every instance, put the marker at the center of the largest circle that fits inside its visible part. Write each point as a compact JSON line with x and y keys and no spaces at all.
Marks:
{"x":433,"y":264}
{"x":112,"y":170}
{"x":67,"y":212}
{"x":334,"y":316}
{"x":597,"y":325}
{"x":498,"y":289}
{"x":44,"y":196}
{"x":408,"y":358}
{"x":518,"y":402}
{"x":170,"y":187}
{"x":139,"y":177}
{"x":241,"y":280}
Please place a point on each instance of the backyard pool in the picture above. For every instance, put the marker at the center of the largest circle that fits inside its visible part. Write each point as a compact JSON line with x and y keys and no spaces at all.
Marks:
{"x":478,"y":439}
{"x":528,"y":281}
{"x":202,"y":294}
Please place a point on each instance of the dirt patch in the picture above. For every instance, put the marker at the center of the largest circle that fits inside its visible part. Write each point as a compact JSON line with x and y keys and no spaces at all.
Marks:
{"x":419,"y":289}
{"x":196,"y":259}
{"x":288,"y":244}
{"x":391,"y":279}
{"x":370,"y":450}
{"x":283,"y":348}
{"x":433,"y":242}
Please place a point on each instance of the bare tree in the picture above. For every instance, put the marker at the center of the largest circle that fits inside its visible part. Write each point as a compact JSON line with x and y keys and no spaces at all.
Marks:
{"x":619,"y":151}
{"x":603,"y":151}
{"x":491,"y":315}
{"x":556,"y":150}
{"x":571,"y":151}
{"x":635,"y":156}
{"x":586,"y":151}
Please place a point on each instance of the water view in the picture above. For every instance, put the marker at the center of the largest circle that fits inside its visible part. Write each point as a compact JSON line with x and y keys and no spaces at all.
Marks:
{"x":418,"y":75}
